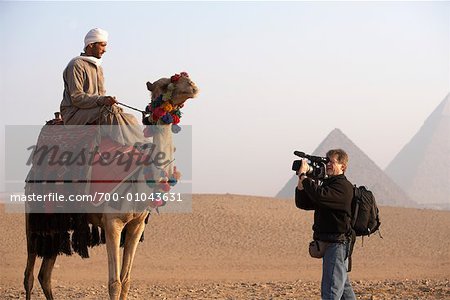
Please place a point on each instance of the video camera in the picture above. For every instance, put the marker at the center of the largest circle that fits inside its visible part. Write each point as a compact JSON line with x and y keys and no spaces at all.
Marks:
{"x":317,"y":165}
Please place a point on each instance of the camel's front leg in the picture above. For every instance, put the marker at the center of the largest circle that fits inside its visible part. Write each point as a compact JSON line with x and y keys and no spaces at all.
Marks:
{"x":28,"y":279}
{"x":45,"y":276}
{"x":113,"y":229}
{"x":134,"y":231}
{"x":28,"y":274}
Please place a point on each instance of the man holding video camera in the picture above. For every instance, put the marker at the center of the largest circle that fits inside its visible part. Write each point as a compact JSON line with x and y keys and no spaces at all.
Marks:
{"x":331,"y":202}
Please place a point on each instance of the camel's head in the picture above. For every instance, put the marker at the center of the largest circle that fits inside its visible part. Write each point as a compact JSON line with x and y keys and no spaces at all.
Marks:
{"x":176,"y":89}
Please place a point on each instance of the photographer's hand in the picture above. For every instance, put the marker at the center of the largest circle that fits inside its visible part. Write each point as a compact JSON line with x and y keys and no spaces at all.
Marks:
{"x":304,"y":168}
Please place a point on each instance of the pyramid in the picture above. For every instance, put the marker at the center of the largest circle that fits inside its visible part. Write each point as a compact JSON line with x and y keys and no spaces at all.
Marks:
{"x":361,"y":171}
{"x":422,"y":167}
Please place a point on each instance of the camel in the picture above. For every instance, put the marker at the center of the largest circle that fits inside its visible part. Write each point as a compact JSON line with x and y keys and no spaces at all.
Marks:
{"x":175,"y":90}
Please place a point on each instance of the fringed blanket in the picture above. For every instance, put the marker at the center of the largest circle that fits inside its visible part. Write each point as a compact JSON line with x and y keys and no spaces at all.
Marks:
{"x":56,"y":234}
{"x":62,"y":233}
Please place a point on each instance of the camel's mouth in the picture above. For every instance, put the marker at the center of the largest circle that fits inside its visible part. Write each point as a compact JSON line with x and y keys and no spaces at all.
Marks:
{"x":188,"y":95}
{"x":195,"y":91}
{"x":183,"y":96}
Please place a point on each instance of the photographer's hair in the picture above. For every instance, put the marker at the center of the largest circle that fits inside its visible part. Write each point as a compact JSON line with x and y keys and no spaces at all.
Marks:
{"x":341,"y":156}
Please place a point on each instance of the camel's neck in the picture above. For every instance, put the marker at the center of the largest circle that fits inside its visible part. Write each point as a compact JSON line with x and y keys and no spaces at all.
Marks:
{"x":164,"y":147}
{"x":155,"y":96}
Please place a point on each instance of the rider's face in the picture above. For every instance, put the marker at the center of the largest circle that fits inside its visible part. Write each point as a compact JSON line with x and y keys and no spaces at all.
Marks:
{"x":96,"y":49}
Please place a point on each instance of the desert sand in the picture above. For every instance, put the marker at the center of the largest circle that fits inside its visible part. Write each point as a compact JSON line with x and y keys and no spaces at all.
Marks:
{"x":244,"y":247}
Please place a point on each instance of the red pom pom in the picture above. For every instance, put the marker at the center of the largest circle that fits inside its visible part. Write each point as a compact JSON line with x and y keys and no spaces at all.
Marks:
{"x":158,"y":112}
{"x":175,"y":78}
{"x":164,"y":186}
{"x":176,"y":119}
{"x":157,"y":203}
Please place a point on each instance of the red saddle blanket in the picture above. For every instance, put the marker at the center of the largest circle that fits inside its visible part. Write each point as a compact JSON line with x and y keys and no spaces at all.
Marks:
{"x":114,"y":165}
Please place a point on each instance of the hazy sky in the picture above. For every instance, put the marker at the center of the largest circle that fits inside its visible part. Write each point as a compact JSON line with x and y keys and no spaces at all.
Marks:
{"x":274,"y":77}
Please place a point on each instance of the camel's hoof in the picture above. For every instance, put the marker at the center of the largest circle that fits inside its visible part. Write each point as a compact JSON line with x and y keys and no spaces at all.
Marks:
{"x":114,"y":290}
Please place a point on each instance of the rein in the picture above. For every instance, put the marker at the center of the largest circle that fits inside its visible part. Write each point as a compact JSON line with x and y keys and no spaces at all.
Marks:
{"x":133,"y":108}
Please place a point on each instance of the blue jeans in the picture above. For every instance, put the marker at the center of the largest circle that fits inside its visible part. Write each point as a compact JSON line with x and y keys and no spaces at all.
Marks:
{"x":335,"y":282}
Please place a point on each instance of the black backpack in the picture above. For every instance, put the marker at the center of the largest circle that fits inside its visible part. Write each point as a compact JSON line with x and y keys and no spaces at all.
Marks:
{"x":365,"y":214}
{"x":365,"y":218}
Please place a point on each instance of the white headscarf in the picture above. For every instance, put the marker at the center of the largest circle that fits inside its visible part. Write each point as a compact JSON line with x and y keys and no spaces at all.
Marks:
{"x":96,"y":61}
{"x":95,"y":35}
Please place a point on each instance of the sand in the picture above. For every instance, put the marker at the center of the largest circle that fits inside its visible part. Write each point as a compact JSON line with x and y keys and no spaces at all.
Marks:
{"x":244,"y":247}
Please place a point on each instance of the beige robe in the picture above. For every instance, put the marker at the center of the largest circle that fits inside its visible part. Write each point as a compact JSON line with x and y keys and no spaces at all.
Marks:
{"x":83,"y":90}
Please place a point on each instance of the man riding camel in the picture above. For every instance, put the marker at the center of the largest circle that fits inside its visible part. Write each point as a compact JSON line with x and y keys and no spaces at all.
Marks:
{"x":84,"y":99}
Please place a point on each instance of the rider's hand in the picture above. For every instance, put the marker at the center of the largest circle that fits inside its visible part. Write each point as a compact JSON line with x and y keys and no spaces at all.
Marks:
{"x":107,"y":100}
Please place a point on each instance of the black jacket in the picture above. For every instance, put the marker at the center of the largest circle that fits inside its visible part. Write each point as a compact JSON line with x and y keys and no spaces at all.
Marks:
{"x":331,"y":203}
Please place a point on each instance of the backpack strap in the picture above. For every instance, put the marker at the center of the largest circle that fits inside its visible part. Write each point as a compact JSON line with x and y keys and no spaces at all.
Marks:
{"x":356,"y":196}
{"x":378,"y":221}
{"x":351,"y":241}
